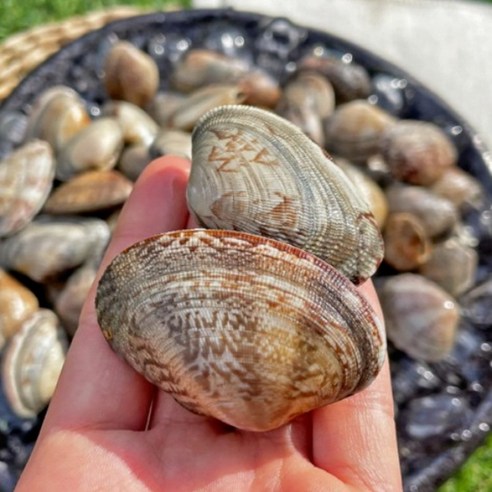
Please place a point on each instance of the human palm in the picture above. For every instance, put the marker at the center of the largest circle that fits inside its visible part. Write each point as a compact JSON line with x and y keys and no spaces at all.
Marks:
{"x":109,"y":429}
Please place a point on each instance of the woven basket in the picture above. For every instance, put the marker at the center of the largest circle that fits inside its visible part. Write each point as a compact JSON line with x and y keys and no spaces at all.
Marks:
{"x":21,"y":53}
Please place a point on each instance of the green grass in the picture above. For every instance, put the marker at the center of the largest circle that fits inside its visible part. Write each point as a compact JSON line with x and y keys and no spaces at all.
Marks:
{"x":15,"y":16}
{"x":18,"y":15}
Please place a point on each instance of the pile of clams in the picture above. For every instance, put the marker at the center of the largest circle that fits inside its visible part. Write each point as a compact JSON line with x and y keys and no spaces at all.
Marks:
{"x":306,"y":185}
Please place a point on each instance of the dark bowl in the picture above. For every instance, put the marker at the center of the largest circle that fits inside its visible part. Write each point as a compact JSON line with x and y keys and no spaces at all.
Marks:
{"x":276,"y":44}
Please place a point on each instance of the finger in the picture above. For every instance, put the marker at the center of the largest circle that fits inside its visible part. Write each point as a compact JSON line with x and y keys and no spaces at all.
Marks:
{"x":96,"y":388}
{"x":355,"y":439}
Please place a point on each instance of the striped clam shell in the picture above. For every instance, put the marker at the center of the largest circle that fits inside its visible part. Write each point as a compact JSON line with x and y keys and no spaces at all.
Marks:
{"x":243,"y":328}
{"x":26,"y":178}
{"x":255,"y":172}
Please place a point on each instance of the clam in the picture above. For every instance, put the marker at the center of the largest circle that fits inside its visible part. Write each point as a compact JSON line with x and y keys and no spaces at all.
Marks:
{"x":242,"y":328}
{"x":57,"y":115}
{"x":164,"y":105}
{"x":17,"y":303}
{"x":130,"y":74}
{"x":421,"y":318}
{"x":98,"y":146}
{"x":259,"y":88}
{"x":437,"y":215}
{"x":451,"y":265}
{"x":171,"y":142}
{"x":459,"y":187}
{"x":48,"y":247}
{"x":201,"y":101}
{"x":32,"y":363}
{"x":200,"y":68}
{"x":406,"y":244}
{"x":255,"y":172}
{"x":350,"y":80}
{"x":137,"y":126}
{"x":417,"y":152}
{"x":354,"y":130}
{"x":89,"y":192}
{"x":26,"y":178}
{"x":134,"y":159}
{"x":368,"y":188}
{"x":306,"y":102}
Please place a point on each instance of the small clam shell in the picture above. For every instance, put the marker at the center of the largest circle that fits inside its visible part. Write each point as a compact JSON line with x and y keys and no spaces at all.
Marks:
{"x":17,"y":303}
{"x":259,"y":88}
{"x":355,"y":128}
{"x":57,"y":115}
{"x":242,"y":328}
{"x":459,"y":187}
{"x":255,"y":172}
{"x":33,"y":362}
{"x":48,"y":247}
{"x":452,"y":266}
{"x":306,"y":102}
{"x":89,"y":192}
{"x":406,"y":244}
{"x":130,"y":74}
{"x":421,"y":318}
{"x":134,"y":159}
{"x":163,"y":106}
{"x":98,"y":146}
{"x":200,"y":68}
{"x":201,"y":101}
{"x":350,"y":80}
{"x":369,"y":189}
{"x":171,"y":142}
{"x":436,"y":214}
{"x":26,"y":178}
{"x":417,"y":152}
{"x":137,"y":126}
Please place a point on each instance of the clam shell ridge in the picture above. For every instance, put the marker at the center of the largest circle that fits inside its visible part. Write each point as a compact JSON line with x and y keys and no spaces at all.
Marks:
{"x":254,"y":171}
{"x":239,"y":327}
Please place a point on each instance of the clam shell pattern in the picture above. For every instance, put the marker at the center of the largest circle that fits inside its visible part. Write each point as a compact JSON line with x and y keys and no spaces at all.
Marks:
{"x":255,"y":172}
{"x":243,"y":328}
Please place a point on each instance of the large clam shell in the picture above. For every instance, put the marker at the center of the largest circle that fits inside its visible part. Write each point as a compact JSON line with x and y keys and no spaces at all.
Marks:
{"x":255,"y":172}
{"x":239,"y":327}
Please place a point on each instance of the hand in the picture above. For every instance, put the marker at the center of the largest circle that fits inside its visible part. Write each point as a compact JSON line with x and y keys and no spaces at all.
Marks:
{"x":98,"y":435}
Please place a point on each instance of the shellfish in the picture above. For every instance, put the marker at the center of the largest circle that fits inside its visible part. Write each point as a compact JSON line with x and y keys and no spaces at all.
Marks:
{"x":33,"y":362}
{"x":255,"y":172}
{"x":239,"y":327}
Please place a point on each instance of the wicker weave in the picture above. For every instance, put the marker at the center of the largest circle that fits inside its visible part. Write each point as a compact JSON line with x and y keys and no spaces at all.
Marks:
{"x":22,"y":52}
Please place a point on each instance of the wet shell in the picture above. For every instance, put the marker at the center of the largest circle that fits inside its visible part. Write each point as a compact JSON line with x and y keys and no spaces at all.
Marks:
{"x":137,"y":126}
{"x":17,"y":303}
{"x":459,"y":187}
{"x":201,"y":101}
{"x":57,"y":115}
{"x":48,"y":247}
{"x":200,"y":68}
{"x":98,"y":146}
{"x":134,"y":159}
{"x":260,"y":89}
{"x":354,"y":130}
{"x":248,"y":330}
{"x":89,"y":192}
{"x":350,"y":80}
{"x":255,"y":172}
{"x":436,"y":214}
{"x":417,"y":152}
{"x":421,"y":318}
{"x":171,"y":142}
{"x":26,"y":178}
{"x":405,"y":241}
{"x":130,"y":74}
{"x":452,"y":266}
{"x":33,"y":362}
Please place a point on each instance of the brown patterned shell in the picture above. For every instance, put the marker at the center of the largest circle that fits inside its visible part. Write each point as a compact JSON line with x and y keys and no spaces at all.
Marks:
{"x":254,"y":171}
{"x":242,"y":328}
